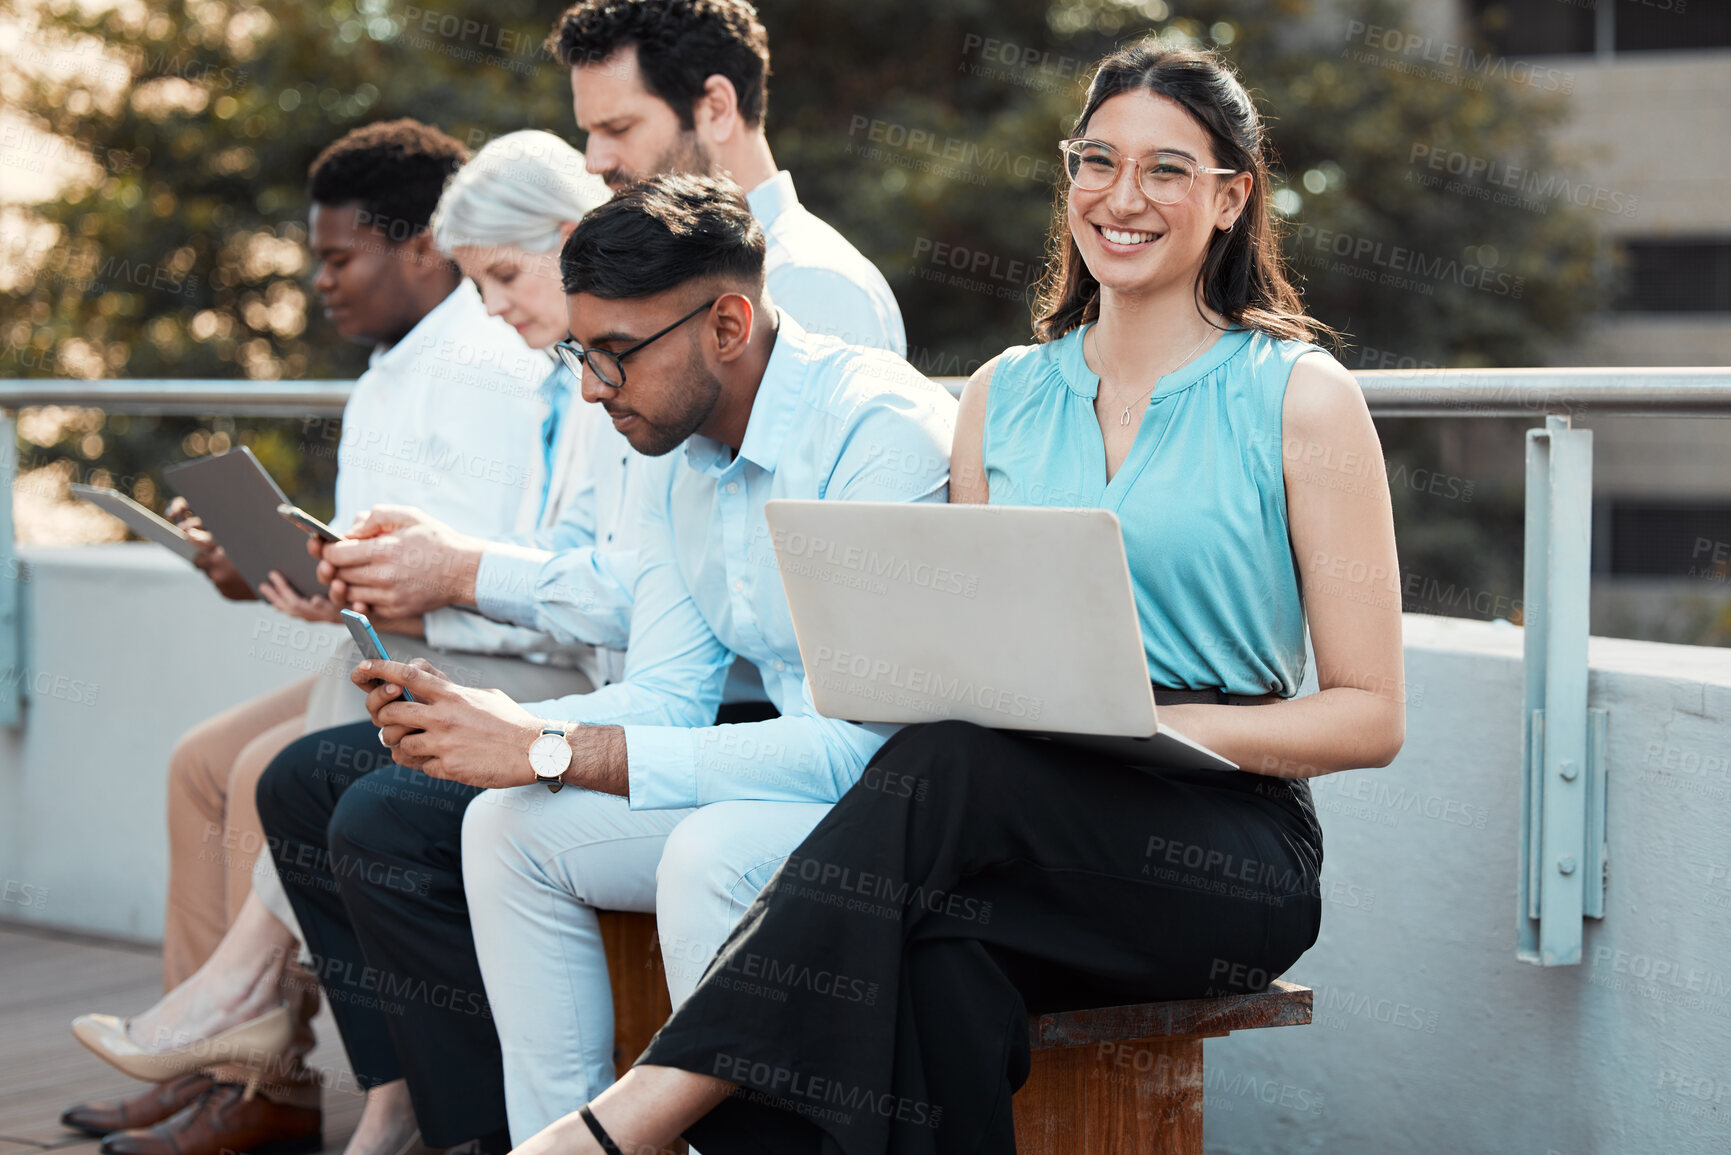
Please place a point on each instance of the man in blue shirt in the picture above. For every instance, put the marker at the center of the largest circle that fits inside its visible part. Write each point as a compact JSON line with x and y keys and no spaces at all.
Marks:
{"x":659,"y":86}
{"x":680,"y":341}
{"x":683,"y":86}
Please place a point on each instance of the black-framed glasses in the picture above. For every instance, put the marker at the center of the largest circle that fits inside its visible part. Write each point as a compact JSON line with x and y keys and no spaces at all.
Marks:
{"x":1164,"y":177}
{"x":609,"y":368}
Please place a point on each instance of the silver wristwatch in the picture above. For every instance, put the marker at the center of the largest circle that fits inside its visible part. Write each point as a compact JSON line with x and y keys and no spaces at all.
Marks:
{"x":549,"y":756}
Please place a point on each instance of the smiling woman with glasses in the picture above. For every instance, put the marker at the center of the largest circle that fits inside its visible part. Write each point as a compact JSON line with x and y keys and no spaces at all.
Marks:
{"x":1004,"y":875}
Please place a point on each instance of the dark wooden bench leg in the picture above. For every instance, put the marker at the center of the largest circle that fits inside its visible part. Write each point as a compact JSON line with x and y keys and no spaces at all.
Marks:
{"x":1137,"y":1098}
{"x":1128,"y":1080}
{"x":1052,"y":1106}
{"x":634,"y":968}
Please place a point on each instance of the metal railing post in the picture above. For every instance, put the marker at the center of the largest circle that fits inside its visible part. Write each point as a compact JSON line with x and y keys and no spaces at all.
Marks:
{"x":1561,"y":869}
{"x":12,"y":672}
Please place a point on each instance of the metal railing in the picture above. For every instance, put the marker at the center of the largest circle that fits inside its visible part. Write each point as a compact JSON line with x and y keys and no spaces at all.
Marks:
{"x":184,"y":398}
{"x":1660,"y":392}
{"x":1562,"y":854}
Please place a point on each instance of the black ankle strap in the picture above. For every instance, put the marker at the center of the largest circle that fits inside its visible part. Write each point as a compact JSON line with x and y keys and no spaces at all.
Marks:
{"x":608,"y":1146}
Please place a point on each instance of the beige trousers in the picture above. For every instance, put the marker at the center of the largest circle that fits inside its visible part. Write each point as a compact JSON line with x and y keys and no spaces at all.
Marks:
{"x":213,"y":827}
{"x":214,"y":834}
{"x":214,"y":837}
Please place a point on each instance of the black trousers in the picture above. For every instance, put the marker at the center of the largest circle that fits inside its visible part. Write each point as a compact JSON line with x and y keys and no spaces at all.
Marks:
{"x":369,"y":854}
{"x":875,"y":996}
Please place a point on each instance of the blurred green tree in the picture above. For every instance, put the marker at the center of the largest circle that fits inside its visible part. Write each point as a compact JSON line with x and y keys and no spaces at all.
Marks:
{"x":181,"y":254}
{"x":926,"y":131}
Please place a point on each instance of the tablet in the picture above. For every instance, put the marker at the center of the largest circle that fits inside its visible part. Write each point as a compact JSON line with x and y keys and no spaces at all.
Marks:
{"x":237,"y":501}
{"x":139,"y":519}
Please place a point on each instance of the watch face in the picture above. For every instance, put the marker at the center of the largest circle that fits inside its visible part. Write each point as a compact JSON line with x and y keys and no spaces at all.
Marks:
{"x":549,"y":755}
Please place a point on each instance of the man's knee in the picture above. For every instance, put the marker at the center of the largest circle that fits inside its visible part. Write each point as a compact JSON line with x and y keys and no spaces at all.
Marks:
{"x":365,"y":820}
{"x":397,"y":813}
{"x":693,"y":885}
{"x":288,"y":786}
{"x":496,"y":825}
{"x":727,"y":852}
{"x":378,"y":843}
{"x":497,"y":816}
{"x":698,"y":850}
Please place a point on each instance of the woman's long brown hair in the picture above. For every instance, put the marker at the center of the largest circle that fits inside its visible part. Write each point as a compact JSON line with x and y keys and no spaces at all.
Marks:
{"x":1243,"y":275}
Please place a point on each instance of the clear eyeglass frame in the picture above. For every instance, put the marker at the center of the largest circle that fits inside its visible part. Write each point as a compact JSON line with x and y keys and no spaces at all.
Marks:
{"x":1164,"y":177}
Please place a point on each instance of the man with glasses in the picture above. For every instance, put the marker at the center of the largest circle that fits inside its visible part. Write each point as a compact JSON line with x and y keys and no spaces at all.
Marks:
{"x":659,"y":86}
{"x":676,"y":335}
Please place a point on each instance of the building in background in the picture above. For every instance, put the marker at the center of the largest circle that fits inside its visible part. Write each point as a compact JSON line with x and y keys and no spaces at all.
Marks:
{"x":1650,"y":86}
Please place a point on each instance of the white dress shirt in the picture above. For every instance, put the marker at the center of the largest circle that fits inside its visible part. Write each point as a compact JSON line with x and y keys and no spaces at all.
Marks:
{"x":444,"y":420}
{"x":830,"y":421}
{"x":584,"y":522}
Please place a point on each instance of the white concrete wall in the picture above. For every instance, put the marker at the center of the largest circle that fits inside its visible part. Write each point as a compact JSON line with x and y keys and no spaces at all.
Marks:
{"x":127,"y":646}
{"x":1429,"y":1035}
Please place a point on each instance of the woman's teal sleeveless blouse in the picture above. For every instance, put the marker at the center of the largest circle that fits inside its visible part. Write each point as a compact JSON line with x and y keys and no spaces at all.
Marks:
{"x":1200,"y":497}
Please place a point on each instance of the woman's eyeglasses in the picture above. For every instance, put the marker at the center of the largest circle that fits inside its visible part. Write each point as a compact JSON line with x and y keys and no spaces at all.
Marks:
{"x":609,"y":368}
{"x":1164,"y":177}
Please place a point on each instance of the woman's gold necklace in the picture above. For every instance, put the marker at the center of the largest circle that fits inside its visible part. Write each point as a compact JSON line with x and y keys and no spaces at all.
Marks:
{"x":1124,"y":417}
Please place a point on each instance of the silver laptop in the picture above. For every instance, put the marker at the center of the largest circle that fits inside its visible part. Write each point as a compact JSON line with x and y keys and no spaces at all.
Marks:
{"x":1013,"y":617}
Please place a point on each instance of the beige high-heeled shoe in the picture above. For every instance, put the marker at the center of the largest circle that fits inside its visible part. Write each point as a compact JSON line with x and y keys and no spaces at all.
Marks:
{"x":252,"y":1043}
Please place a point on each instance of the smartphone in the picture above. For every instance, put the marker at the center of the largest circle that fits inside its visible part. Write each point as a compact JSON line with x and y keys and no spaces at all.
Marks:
{"x":367,"y":639}
{"x":296,"y":516}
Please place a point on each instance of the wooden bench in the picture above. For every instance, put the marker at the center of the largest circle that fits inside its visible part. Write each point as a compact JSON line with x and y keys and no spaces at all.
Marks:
{"x":1113,"y":1081}
{"x":1128,"y":1080}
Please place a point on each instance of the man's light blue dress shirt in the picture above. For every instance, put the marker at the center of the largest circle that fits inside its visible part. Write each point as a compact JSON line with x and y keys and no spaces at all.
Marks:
{"x":829,"y":422}
{"x":582,"y":593}
{"x":815,"y":274}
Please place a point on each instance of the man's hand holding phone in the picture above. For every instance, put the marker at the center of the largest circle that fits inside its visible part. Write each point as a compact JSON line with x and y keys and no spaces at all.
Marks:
{"x":398,"y":562}
{"x":446,"y":730}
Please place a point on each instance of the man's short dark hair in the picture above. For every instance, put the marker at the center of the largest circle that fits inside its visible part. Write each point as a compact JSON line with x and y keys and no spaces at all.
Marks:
{"x":393,"y":170}
{"x":660,"y":233}
{"x":680,"y":44}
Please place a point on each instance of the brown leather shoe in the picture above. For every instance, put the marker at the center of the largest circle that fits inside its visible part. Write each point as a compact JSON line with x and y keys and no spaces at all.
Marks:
{"x":223,"y":1119}
{"x":148,"y":1107}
